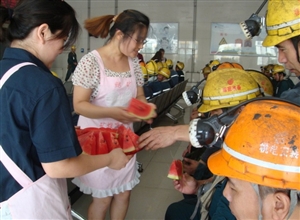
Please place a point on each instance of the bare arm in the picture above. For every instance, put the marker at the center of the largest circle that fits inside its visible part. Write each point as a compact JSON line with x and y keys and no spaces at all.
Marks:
{"x":84,"y":163}
{"x":82,"y":106}
{"x":161,"y":137}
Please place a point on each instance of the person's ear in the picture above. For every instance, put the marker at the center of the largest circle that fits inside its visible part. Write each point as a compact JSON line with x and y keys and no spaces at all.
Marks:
{"x":43,"y":33}
{"x":281,"y":206}
{"x":119,"y":34}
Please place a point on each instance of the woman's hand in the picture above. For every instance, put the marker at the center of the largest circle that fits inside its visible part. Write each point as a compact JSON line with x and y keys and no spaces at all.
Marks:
{"x":154,"y":114}
{"x":122,"y":115}
{"x":118,"y":159}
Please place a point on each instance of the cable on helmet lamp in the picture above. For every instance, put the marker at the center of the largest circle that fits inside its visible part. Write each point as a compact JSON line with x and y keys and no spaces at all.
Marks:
{"x":252,"y":26}
{"x":193,"y":95}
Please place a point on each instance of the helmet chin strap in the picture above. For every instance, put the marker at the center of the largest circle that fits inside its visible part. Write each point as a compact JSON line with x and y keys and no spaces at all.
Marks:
{"x":293,"y":201}
{"x":296,"y":42}
{"x":256,"y":189}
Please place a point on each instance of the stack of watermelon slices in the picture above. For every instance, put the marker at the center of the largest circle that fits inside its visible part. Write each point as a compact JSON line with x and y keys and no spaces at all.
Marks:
{"x":96,"y":141}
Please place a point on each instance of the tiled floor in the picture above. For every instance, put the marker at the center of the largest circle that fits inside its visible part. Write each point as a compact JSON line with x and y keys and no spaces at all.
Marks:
{"x":151,"y":197}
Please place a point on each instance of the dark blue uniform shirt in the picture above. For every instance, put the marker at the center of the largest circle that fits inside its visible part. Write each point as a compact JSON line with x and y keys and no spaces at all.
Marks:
{"x":174,"y":78}
{"x":36,"y":123}
{"x":156,"y":88}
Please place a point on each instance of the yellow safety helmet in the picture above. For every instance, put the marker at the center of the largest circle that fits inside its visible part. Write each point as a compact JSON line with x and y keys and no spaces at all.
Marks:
{"x":213,"y":64}
{"x":73,"y":47}
{"x":169,"y":63}
{"x":228,"y":87}
{"x":145,"y":72}
{"x":263,"y":81}
{"x":282,"y":21}
{"x":269,"y":68}
{"x":262,"y":146}
{"x":151,"y":67}
{"x":165,"y":72}
{"x":278,"y":69}
{"x":54,"y":74}
{"x":180,"y":65}
{"x":159,"y":65}
{"x":164,"y":64}
{"x":206,"y":70}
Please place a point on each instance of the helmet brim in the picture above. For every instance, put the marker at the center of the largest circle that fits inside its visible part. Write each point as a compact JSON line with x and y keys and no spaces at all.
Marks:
{"x":270,"y":41}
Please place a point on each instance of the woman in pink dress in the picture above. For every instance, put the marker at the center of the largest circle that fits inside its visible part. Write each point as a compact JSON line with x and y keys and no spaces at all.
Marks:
{"x":104,"y":81}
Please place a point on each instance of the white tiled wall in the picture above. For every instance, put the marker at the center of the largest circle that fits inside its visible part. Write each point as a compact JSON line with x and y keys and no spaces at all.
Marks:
{"x":172,"y":11}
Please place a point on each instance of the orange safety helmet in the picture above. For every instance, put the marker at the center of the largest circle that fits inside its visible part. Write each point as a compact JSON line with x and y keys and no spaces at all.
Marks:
{"x":226,"y":88}
{"x":262,"y":146}
{"x":263,"y":81}
{"x":142,"y":63}
{"x":151,"y":67}
{"x":237,"y":65}
{"x":225,"y":65}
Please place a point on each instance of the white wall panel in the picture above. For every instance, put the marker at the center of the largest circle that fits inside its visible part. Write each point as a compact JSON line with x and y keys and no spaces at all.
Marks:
{"x":173,"y":11}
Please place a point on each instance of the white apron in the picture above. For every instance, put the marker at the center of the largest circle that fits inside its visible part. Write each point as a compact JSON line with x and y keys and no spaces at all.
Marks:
{"x":46,"y":198}
{"x":112,"y":91}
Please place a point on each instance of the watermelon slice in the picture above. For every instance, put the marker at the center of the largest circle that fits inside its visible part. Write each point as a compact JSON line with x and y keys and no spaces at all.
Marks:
{"x":93,"y":143}
{"x":124,"y":140}
{"x":87,"y":142}
{"x":96,"y":141}
{"x":176,"y":170}
{"x":101,"y":144}
{"x":111,"y":139}
{"x":140,"y":109}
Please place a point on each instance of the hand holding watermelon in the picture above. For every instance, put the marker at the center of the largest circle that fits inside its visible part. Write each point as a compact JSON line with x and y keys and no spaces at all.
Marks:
{"x":117,"y":159}
{"x":141,"y":110}
{"x":187,"y":184}
{"x":122,"y":115}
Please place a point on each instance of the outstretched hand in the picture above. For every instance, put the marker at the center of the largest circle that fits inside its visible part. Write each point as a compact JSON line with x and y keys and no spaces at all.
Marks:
{"x":156,"y":138}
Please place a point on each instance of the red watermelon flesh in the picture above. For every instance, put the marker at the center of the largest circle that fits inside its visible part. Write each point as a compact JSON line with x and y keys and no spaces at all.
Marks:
{"x":87,"y":142}
{"x":95,"y":141}
{"x":124,"y":139}
{"x":140,"y":109}
{"x":176,"y":170}
{"x":111,"y":139}
{"x":102,"y":147}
